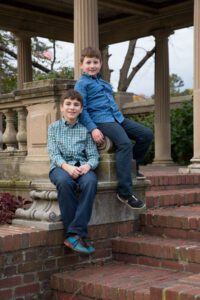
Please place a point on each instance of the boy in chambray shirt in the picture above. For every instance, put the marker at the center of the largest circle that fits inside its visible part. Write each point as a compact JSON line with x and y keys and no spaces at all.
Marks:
{"x":73,"y":157}
{"x":101,"y":116}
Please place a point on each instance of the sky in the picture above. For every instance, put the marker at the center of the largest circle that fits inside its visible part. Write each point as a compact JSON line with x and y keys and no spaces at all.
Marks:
{"x":180,"y":60}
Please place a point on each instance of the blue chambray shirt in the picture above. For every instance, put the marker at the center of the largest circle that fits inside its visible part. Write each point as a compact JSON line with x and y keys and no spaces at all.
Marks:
{"x":99,"y":103}
{"x":70,"y":144}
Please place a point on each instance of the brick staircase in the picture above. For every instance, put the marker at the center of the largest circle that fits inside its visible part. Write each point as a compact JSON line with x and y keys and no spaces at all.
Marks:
{"x":159,"y":262}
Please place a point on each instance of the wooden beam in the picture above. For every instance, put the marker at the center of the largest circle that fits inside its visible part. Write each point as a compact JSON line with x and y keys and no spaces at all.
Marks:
{"x":25,"y":21}
{"x":129,"y":8}
{"x":129,"y":28}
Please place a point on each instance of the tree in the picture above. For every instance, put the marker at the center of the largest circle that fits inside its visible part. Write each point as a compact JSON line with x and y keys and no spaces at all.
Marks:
{"x":175,"y":83}
{"x":43,"y":61}
{"x":126,"y":75}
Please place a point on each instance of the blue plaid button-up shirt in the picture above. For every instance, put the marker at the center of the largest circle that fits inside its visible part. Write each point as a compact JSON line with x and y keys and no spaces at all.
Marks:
{"x":71,"y":144}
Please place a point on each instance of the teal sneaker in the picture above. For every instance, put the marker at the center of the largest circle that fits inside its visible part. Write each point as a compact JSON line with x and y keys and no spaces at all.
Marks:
{"x":76,"y":244}
{"x":88,"y":245}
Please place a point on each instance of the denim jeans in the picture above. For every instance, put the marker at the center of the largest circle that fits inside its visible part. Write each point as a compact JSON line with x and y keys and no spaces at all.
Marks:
{"x":75,"y":208}
{"x":121,"y":135}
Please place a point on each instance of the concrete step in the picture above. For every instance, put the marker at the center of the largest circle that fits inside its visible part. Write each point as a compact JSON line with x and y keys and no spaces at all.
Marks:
{"x":176,"y":222}
{"x":179,"y":254}
{"x":117,"y":280}
{"x":162,"y":198}
{"x":173,"y":181}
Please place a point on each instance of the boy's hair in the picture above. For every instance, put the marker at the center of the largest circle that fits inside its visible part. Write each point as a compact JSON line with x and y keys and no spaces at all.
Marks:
{"x":90,"y":52}
{"x":71,"y":94}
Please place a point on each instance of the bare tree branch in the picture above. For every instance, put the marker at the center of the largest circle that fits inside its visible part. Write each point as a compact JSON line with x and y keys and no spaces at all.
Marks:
{"x":14,"y":55}
{"x":105,"y":71}
{"x":122,"y":85}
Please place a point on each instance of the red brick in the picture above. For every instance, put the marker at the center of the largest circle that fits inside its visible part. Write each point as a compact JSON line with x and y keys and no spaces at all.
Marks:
{"x":27,"y":289}
{"x":10,"y":282}
{"x":6,"y":294}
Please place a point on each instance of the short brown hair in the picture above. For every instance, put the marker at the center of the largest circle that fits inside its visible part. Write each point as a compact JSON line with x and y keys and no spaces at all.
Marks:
{"x":90,"y":52}
{"x":71,"y":94}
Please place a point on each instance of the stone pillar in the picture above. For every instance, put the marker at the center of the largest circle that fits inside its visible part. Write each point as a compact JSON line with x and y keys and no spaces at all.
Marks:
{"x":162,"y":100}
{"x":195,"y":161}
{"x":1,"y":131}
{"x":24,"y":63}
{"x":85,"y":29}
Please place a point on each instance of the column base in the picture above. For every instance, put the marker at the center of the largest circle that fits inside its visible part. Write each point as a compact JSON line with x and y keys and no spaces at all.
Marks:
{"x":163,"y":162}
{"x":194,"y":168}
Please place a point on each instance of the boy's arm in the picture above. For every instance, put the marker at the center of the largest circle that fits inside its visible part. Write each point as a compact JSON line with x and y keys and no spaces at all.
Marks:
{"x":84,"y":118}
{"x":53,"y":151}
{"x":92,"y":153}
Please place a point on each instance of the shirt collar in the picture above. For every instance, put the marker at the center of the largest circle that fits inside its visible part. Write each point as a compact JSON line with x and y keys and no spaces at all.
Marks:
{"x":93,"y":77}
{"x":64,"y":122}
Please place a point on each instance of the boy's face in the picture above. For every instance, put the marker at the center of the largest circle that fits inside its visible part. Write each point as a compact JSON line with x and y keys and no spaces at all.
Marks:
{"x":91,"y":65}
{"x":71,"y":109}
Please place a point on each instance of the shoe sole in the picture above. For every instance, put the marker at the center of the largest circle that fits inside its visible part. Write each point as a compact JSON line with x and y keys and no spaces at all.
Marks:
{"x":75,"y":250}
{"x":134,"y":208}
{"x":141,"y":178}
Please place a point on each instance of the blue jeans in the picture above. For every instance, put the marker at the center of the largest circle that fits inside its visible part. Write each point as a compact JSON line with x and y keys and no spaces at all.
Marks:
{"x":121,"y":135}
{"x":75,"y":208}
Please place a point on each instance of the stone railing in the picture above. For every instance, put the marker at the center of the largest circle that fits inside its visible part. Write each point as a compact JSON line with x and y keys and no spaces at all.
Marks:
{"x":14,"y":138}
{"x":24,"y":119}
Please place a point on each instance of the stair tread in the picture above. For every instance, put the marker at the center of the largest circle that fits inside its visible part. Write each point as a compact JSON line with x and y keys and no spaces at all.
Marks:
{"x":172,"y":192}
{"x":113,"y":277}
{"x":190,"y":211}
{"x":162,"y":241}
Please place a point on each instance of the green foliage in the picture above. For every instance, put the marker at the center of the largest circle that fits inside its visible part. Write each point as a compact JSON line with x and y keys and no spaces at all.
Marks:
{"x":181,"y":133}
{"x":65,"y":73}
{"x":175,"y":83}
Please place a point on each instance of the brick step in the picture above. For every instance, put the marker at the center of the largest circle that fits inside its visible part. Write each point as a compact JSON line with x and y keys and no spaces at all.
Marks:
{"x":173,"y":181}
{"x":176,"y":222}
{"x":158,"y":251}
{"x":117,"y":280}
{"x":162,"y":198}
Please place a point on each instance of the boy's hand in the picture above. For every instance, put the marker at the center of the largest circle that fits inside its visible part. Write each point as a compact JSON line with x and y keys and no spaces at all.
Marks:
{"x":73,"y":171}
{"x":84,"y":169}
{"x":97,"y":135}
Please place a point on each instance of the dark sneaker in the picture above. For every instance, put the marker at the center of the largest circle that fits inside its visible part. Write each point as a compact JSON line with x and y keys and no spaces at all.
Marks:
{"x":140,"y":176}
{"x":76,"y":243}
{"x":133,"y":202}
{"x":89,"y":246}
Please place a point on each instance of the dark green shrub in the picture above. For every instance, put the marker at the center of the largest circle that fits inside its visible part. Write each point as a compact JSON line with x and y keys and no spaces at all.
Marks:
{"x":181,"y":133}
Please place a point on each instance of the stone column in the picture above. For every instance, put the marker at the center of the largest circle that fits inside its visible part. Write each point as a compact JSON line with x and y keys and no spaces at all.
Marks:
{"x":195,"y":166}
{"x":85,"y":29}
{"x":1,"y":131}
{"x":162,"y":100}
{"x":24,"y":63}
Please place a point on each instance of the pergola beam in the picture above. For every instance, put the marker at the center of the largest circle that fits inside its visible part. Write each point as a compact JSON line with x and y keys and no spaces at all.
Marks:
{"x":129,"y":8}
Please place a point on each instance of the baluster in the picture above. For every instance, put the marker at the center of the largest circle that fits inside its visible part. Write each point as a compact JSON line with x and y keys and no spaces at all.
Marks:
{"x":9,"y":136}
{"x":22,"y":134}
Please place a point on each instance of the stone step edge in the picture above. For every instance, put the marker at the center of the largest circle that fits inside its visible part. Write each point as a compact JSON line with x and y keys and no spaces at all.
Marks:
{"x":107,"y":286}
{"x":163,"y":198}
{"x":159,"y":248}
